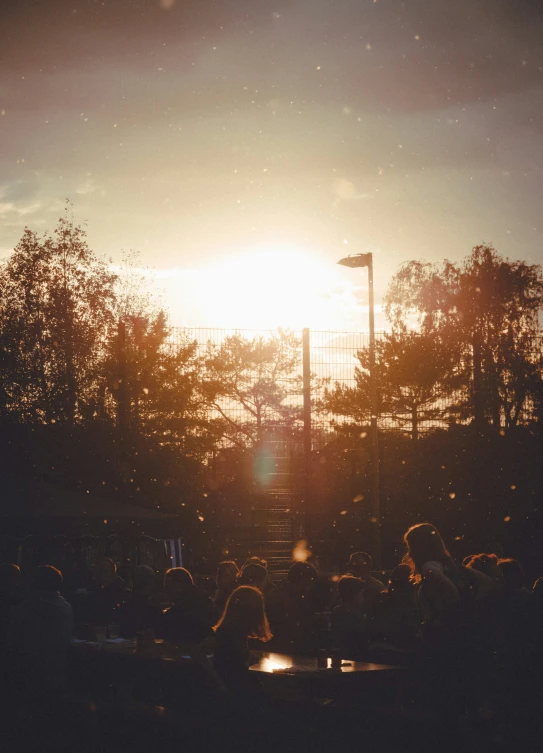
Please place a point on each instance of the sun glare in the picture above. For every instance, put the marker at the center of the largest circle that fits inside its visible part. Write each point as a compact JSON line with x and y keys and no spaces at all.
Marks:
{"x":265,"y":289}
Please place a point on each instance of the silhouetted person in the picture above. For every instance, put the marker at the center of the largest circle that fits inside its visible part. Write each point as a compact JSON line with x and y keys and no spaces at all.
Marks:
{"x":360,"y":566}
{"x":269,"y":585}
{"x":11,"y":594}
{"x":192,"y":615}
{"x":287,"y":608}
{"x":255,"y":561}
{"x":445,"y":590}
{"x":514,"y":582}
{"x":253,"y":574}
{"x":457,"y":649}
{"x":142,"y":610}
{"x":349,"y":626}
{"x":227,"y":573}
{"x":243,"y":619}
{"x":39,"y":635}
{"x":397,"y":618}
{"x":518,"y":613}
{"x":317,"y":607}
{"x":108,"y":593}
{"x":485,"y":563}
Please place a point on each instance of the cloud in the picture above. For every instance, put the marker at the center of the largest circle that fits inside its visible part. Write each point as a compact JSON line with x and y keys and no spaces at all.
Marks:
{"x":86,"y":187}
{"x":345,"y":190}
{"x":50,"y":34}
{"x":9,"y":208}
{"x":424,"y":54}
{"x":429,"y":54}
{"x":19,"y":190}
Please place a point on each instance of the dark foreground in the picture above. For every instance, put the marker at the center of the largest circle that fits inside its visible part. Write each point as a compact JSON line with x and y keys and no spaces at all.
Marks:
{"x":133,"y":701}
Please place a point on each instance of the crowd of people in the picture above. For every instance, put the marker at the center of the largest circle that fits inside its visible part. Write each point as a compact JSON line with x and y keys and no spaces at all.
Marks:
{"x":462,"y":625}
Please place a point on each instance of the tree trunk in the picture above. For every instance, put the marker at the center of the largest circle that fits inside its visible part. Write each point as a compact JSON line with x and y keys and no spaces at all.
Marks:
{"x":414,"y":422}
{"x":258,"y":425}
{"x":477,"y":393}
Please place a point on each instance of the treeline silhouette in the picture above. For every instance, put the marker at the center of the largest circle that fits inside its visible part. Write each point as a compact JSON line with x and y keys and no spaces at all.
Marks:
{"x":94,"y":396}
{"x":464,"y":351}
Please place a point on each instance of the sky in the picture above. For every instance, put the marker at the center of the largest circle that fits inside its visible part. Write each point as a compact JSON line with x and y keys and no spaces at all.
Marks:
{"x":244,"y":146}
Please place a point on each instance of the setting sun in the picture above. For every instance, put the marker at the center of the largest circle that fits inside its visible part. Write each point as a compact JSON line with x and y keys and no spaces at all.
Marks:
{"x":264,"y":289}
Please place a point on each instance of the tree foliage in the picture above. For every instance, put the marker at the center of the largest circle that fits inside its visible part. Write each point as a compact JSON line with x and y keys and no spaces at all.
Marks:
{"x":414,"y":373}
{"x":248,"y":385}
{"x":485,"y":310}
{"x":56,"y":313}
{"x":61,"y":311}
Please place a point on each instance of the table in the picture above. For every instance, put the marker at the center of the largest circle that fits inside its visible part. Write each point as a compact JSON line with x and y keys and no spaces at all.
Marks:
{"x":159,"y":649}
{"x":306,"y":666}
{"x":162,"y":674}
{"x":286,"y":675}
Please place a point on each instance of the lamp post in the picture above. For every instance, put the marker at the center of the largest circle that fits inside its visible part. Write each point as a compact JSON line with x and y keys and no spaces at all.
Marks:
{"x":366,"y":260}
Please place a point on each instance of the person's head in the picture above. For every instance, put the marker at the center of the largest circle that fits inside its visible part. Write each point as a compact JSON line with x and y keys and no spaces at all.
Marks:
{"x":351,"y":590}
{"x":10,"y":576}
{"x":47,"y":578}
{"x":106,"y":570}
{"x":512,"y":572}
{"x":177,"y":581}
{"x":256,"y":561}
{"x":424,"y":544}
{"x":227,"y":572}
{"x":300,"y":577}
{"x":253,"y":575}
{"x":360,"y":565}
{"x":144,"y":581}
{"x":485,"y":563}
{"x":244,"y":613}
{"x":537,"y":590}
{"x":400,"y":578}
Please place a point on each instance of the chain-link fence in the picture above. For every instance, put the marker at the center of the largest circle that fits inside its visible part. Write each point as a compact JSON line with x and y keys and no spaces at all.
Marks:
{"x":254,"y":382}
{"x":333,"y":361}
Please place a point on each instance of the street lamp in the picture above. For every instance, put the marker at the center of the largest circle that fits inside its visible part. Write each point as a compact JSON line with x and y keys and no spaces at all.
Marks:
{"x":366,"y":260}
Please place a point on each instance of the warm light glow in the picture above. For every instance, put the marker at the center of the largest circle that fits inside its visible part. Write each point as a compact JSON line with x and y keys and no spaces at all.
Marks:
{"x":267,"y":288}
{"x":300,"y":553}
{"x":276,"y":661}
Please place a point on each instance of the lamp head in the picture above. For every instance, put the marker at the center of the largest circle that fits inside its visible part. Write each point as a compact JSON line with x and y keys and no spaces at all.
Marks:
{"x":356,"y":260}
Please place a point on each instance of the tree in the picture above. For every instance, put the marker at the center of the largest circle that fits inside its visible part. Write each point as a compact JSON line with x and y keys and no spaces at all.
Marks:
{"x":153,"y":389}
{"x":250,"y":385}
{"x":55,"y":315}
{"x":486,"y":310}
{"x":415,"y":374}
{"x":162,"y":384}
{"x":60,"y":309}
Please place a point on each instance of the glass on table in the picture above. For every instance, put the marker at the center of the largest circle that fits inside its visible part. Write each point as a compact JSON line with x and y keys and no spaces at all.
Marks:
{"x":336,"y":659}
{"x":322,"y":658}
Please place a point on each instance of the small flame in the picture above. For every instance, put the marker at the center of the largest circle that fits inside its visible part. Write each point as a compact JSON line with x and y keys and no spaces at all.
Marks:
{"x":272,"y":662}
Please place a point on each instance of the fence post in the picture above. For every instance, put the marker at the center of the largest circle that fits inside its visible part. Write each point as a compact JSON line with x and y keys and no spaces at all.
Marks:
{"x":376,"y":492}
{"x":306,"y":374}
